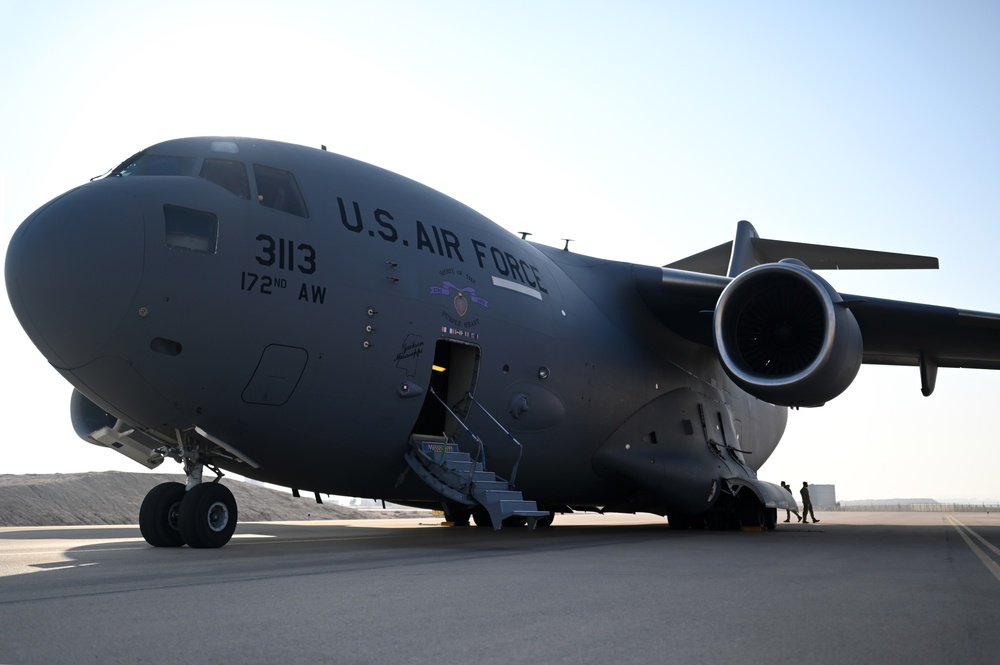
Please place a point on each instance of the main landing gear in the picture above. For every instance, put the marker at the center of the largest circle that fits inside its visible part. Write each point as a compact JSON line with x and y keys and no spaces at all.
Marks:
{"x":198,"y":514}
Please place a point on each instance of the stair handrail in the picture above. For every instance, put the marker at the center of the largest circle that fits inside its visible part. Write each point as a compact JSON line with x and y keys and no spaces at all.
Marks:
{"x":520,"y":448}
{"x":481,"y":449}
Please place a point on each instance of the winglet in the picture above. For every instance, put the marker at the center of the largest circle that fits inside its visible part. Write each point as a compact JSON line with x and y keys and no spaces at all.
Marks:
{"x":744,"y":255}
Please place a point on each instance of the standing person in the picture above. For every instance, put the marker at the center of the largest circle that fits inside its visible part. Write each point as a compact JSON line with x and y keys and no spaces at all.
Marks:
{"x":807,"y":506}
{"x":788,"y":514}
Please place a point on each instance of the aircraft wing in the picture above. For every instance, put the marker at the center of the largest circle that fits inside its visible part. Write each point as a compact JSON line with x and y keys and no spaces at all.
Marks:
{"x":900,"y":333}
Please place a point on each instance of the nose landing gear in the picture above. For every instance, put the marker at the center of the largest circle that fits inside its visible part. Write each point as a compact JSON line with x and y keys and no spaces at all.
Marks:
{"x":198,"y":514}
{"x":204,"y":516}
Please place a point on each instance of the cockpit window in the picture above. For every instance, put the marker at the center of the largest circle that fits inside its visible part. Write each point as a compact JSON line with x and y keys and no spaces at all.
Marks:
{"x":187,"y":228}
{"x":277,"y":189}
{"x":146,"y":164}
{"x":227,"y":173}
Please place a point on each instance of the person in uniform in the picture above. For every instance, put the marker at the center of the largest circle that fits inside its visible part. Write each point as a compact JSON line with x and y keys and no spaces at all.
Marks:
{"x":788,"y":514}
{"x":807,"y":506}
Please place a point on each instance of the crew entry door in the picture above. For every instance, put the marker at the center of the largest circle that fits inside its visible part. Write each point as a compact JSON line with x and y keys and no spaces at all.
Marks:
{"x":454,"y":373}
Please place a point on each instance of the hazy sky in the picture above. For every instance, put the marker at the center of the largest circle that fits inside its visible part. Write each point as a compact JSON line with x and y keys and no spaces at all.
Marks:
{"x":643,"y":130}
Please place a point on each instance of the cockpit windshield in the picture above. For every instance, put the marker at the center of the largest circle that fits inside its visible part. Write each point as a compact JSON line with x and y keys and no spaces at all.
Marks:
{"x":227,"y":173}
{"x":148,"y":164}
{"x":276,"y":188}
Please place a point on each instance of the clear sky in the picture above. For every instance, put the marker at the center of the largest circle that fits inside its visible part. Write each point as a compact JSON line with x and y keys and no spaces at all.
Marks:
{"x":643,"y":130}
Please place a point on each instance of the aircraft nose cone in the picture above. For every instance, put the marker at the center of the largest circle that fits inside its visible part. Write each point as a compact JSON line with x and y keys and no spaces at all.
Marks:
{"x":72,"y":269}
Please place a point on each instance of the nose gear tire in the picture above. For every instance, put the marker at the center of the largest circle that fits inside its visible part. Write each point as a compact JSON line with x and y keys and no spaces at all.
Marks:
{"x":208,"y":516}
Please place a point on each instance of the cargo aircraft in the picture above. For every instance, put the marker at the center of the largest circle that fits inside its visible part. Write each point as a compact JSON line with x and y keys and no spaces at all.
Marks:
{"x":308,"y":320}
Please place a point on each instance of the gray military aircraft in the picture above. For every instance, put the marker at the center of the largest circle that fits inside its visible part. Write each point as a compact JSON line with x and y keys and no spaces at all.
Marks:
{"x":312,"y":321}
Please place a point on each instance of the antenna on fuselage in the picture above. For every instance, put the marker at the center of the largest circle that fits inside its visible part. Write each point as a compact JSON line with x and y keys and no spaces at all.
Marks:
{"x":566,"y":246}
{"x":524,"y":234}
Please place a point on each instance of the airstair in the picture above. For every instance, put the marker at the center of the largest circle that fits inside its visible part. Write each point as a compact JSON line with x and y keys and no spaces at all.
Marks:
{"x":463,"y":478}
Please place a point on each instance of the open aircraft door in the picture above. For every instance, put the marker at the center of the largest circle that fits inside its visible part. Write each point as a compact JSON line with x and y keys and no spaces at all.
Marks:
{"x":453,"y":376}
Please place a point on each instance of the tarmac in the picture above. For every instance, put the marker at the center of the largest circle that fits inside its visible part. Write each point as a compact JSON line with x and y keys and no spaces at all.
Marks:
{"x":855,"y":587}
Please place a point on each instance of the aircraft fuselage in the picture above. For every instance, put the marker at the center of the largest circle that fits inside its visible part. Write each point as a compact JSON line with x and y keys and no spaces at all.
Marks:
{"x":298,"y":319}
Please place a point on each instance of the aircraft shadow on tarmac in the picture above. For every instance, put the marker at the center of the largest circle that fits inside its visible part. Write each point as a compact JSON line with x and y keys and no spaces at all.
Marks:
{"x":114,"y":547}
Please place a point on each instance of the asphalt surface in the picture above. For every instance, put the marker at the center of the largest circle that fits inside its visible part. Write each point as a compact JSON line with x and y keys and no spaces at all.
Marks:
{"x":857,"y":587}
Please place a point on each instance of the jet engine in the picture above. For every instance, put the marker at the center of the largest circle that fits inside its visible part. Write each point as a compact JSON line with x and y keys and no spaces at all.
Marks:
{"x":785,"y":336}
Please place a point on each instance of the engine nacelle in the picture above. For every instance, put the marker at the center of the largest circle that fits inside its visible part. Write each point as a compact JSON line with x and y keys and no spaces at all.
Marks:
{"x":784,"y":336}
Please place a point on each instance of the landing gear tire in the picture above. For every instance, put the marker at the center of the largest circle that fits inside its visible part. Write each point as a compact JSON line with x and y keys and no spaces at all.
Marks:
{"x":751,"y":519}
{"x":546,"y":521}
{"x":721,"y":522}
{"x":159,"y":515}
{"x":770,"y":518}
{"x":481,"y":517}
{"x":208,"y":516}
{"x":457,"y":516}
{"x":678,"y":522}
{"x":515,"y":521}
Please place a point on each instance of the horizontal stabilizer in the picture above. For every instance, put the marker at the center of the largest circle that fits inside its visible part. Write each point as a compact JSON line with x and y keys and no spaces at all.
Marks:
{"x":749,"y":250}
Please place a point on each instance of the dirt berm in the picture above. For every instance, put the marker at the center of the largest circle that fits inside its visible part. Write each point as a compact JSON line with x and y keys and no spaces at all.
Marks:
{"x":113,"y":497}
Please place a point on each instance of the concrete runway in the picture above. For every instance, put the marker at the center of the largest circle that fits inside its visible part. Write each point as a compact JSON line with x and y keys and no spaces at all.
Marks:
{"x":857,"y":587}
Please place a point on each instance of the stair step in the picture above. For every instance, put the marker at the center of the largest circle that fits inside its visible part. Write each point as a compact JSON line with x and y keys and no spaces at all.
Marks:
{"x":521,"y":507}
{"x":453,"y":460}
{"x":461,"y":477}
{"x":490,"y":485}
{"x":487,"y":496}
{"x":465,"y":468}
{"x":455,"y":455}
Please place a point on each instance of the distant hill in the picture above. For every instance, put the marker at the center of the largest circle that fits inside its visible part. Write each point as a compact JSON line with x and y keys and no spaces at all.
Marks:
{"x":113,"y":497}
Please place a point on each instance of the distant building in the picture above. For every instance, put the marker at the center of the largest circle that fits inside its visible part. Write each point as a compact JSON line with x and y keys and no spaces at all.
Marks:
{"x":881,"y":503}
{"x":823,"y":497}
